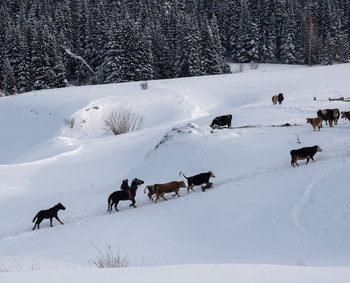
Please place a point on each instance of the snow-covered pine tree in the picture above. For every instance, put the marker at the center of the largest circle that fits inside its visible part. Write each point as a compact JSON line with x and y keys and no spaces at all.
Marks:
{"x":247,"y":45}
{"x":40,"y":62}
{"x":288,"y":39}
{"x":9,"y":82}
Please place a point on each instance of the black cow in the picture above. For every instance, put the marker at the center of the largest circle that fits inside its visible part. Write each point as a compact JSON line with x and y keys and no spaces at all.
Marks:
{"x":280,"y":98}
{"x":198,"y":180}
{"x":304,"y":153}
{"x":329,"y":115}
{"x":222,"y":121}
{"x":48,"y":213}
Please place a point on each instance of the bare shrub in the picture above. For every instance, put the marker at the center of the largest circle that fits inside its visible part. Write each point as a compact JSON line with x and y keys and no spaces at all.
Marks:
{"x":108,"y":260}
{"x":239,"y":68}
{"x":13,"y":266}
{"x":69,"y":122}
{"x":144,"y":85}
{"x":124,"y":121}
{"x":301,"y":262}
{"x":253,"y":65}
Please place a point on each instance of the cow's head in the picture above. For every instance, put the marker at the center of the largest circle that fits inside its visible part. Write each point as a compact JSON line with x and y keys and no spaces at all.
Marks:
{"x":336,"y":113}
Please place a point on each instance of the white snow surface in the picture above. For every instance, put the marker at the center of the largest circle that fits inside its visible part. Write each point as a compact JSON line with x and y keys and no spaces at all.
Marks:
{"x":263,"y":220}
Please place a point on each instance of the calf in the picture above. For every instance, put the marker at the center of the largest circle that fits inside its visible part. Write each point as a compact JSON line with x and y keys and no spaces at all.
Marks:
{"x":280,"y":98}
{"x":304,"y":153}
{"x":274,"y":99}
{"x":315,"y":122}
{"x":345,"y":114}
{"x":329,"y":115}
{"x":198,"y":180}
{"x":207,"y":186}
{"x":48,"y":213}
{"x":151,"y":191}
{"x":174,"y":186}
{"x":222,"y":121}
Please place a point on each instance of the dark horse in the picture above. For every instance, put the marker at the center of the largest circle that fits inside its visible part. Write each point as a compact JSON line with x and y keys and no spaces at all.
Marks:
{"x":117,"y":196}
{"x":48,"y":213}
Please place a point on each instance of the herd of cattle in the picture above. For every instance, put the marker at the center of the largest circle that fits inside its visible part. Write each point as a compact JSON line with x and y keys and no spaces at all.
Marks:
{"x":159,"y":190}
{"x":329,"y":116}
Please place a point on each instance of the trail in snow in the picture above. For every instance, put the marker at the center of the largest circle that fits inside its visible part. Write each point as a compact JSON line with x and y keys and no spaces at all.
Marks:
{"x":307,"y":199}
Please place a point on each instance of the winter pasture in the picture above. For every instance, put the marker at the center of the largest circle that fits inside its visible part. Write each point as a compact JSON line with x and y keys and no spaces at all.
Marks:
{"x":263,"y":221}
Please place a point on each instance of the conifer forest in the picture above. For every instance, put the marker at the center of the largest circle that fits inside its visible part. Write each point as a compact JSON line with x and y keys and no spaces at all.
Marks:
{"x":55,"y":43}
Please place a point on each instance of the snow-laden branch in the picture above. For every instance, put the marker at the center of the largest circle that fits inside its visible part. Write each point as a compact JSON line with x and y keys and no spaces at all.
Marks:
{"x":79,"y":58}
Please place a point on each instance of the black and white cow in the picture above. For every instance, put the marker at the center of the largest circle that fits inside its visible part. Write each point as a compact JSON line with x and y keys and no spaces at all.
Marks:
{"x":329,"y":115}
{"x":221,"y":121}
{"x":304,"y":153}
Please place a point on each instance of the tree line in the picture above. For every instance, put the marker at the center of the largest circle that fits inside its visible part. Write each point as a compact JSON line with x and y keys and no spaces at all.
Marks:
{"x":53,"y":43}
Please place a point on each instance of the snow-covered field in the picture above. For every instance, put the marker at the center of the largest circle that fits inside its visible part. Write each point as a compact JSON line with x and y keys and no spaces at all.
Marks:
{"x":263,"y":221}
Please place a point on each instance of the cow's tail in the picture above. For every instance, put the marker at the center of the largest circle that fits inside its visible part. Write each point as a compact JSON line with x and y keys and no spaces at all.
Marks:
{"x":182,"y":173}
{"x":35,"y":217}
{"x":144,"y":191}
{"x":109,"y":204}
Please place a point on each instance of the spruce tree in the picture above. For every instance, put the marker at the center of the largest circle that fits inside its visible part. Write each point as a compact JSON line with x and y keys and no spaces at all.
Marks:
{"x":40,"y":62}
{"x":9,"y":81}
{"x":288,"y":40}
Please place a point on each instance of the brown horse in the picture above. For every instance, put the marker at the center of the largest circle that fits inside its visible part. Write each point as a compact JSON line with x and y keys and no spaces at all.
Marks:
{"x":117,"y":196}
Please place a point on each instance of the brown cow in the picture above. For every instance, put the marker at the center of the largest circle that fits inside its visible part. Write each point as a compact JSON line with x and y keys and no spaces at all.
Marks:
{"x":151,"y":191}
{"x":345,"y":114}
{"x":315,"y":122}
{"x":173,"y":186}
{"x":274,"y":99}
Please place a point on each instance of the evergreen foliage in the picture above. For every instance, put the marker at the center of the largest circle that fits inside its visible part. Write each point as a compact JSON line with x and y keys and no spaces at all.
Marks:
{"x":46,"y":44}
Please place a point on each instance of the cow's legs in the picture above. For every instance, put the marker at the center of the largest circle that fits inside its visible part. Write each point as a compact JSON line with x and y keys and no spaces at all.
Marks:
{"x":190,"y":187}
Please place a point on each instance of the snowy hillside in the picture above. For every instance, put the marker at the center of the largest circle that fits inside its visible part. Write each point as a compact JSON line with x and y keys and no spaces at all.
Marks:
{"x":261,"y":213}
